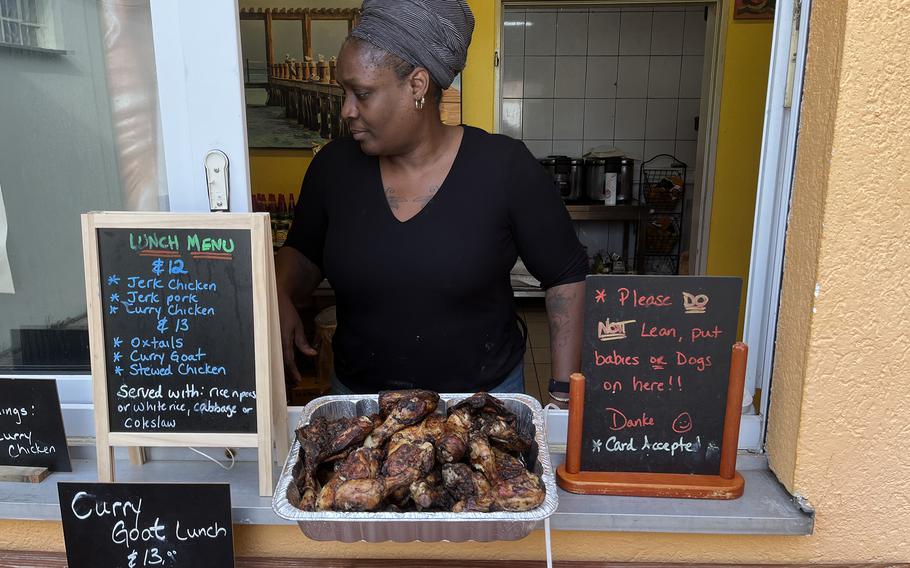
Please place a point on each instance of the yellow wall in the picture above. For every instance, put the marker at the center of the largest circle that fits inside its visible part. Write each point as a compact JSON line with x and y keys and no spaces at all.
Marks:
{"x":838,"y":422}
{"x":278,"y":171}
{"x":746,"y":54}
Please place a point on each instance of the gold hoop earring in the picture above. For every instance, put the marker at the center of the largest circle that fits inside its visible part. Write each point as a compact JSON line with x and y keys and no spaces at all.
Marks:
{"x":418,"y":103}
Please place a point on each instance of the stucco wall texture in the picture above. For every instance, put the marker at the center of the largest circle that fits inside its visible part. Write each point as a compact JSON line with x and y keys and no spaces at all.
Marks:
{"x":838,"y":427}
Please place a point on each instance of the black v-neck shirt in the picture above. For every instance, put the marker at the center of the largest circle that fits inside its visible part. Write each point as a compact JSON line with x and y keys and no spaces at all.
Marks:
{"x":428,"y":302}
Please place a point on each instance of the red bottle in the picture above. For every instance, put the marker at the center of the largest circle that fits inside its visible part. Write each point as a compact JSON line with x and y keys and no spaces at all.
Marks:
{"x":292,"y":207}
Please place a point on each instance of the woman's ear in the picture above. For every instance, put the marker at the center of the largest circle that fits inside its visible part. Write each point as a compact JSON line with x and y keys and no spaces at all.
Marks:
{"x":420,"y":83}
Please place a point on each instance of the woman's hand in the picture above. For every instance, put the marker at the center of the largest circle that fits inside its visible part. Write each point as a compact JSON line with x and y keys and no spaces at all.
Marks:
{"x":292,"y":335}
{"x":296,"y":278}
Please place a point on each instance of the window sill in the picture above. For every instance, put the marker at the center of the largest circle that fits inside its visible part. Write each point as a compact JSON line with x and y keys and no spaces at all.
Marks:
{"x":766,"y":508}
{"x":30,"y":49}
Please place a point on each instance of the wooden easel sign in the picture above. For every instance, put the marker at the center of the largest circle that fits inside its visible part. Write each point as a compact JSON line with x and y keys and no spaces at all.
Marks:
{"x":183,"y":322}
{"x":656,"y":411}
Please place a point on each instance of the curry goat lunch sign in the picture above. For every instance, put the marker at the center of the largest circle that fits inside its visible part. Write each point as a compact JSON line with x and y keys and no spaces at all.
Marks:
{"x":128,"y":525}
{"x":656,"y":359}
{"x":178,"y":315}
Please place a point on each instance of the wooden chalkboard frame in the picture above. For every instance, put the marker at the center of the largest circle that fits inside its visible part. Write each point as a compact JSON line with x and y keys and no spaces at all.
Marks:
{"x":728,"y":484}
{"x":271,"y":405}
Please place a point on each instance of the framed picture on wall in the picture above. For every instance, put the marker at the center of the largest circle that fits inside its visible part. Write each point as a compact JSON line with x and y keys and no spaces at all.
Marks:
{"x":753,"y":9}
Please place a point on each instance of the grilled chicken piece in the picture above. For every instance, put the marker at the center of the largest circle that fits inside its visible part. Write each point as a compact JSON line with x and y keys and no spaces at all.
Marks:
{"x":520,"y":493}
{"x":323,"y":440}
{"x":502,"y":432}
{"x":495,"y":420}
{"x":326,"y":499}
{"x":470,"y":489}
{"x":481,"y":455}
{"x":401,"y":409}
{"x":359,"y":495}
{"x":409,"y":435}
{"x":406,"y":464}
{"x":427,"y":495}
{"x":361,"y":464}
{"x":484,"y":402}
{"x":306,"y":486}
{"x":453,"y":444}
{"x":507,"y":465}
{"x":516,"y":488}
{"x":434,"y":426}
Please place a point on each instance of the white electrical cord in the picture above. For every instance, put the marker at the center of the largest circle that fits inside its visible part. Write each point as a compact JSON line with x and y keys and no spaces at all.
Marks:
{"x":229,"y":451}
{"x":546,"y":522}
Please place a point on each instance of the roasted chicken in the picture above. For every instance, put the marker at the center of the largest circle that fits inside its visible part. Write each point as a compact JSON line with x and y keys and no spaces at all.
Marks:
{"x":470,"y":489}
{"x":453,"y":445}
{"x":401,"y":409}
{"x":515,"y":488}
{"x":414,"y":458}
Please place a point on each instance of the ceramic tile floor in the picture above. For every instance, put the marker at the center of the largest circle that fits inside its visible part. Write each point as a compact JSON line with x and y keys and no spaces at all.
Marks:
{"x":537,"y":357}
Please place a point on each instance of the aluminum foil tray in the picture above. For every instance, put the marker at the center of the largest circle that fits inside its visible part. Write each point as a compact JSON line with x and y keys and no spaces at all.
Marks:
{"x":418,"y":526}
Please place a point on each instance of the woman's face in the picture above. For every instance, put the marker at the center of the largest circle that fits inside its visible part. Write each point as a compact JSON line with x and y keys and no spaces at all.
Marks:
{"x":378,"y":106}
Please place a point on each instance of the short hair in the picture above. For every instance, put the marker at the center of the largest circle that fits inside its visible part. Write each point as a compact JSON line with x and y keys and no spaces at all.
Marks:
{"x":402,"y":69}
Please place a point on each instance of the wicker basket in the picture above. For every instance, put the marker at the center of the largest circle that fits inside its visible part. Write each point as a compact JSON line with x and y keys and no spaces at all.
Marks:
{"x":661,"y":236}
{"x":664,"y":193}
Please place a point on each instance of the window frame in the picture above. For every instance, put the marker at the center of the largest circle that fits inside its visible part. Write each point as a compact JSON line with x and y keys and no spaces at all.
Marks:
{"x":45,"y":25}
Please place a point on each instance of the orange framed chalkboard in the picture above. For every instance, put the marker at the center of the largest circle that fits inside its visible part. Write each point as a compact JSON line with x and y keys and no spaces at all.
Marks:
{"x":656,"y":411}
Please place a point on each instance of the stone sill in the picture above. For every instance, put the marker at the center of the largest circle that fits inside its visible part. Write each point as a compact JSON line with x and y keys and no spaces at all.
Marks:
{"x":765,"y":508}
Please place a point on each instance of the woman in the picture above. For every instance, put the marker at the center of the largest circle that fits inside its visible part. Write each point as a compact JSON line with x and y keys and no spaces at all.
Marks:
{"x":417,"y":224}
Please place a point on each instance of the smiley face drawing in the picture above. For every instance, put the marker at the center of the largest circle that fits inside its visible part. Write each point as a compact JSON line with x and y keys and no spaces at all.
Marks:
{"x":683,"y":423}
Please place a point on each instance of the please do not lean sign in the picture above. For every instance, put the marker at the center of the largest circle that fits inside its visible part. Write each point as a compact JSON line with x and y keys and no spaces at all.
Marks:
{"x":655,"y":408}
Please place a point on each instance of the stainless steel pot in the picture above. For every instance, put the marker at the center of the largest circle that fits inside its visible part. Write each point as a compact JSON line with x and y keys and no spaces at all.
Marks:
{"x":576,"y":180}
{"x":567,"y":176}
{"x":601,"y":179}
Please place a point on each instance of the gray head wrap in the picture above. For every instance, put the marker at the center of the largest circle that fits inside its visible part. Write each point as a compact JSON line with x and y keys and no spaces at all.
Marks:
{"x":434,"y":34}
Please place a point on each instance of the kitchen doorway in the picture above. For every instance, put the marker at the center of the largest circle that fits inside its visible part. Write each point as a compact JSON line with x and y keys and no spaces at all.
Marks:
{"x":636,"y":79}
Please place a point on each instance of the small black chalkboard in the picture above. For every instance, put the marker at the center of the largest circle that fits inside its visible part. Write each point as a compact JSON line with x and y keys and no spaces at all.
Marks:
{"x":31,"y":425}
{"x":656,"y":360}
{"x":126,"y":525}
{"x":178,"y":329}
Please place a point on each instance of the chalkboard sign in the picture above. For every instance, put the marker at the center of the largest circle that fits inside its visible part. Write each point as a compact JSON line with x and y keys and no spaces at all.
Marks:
{"x":178,"y":329}
{"x":183,"y":332}
{"x":128,"y":525}
{"x":31,"y":425}
{"x":656,"y":360}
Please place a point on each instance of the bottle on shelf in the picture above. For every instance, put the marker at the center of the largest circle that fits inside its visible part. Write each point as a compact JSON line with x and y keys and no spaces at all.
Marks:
{"x":292,"y":207}
{"x":272,"y":209}
{"x":282,"y":222}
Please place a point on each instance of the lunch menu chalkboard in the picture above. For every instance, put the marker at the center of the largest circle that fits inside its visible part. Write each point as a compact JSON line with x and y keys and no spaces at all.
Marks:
{"x":31,"y":425}
{"x":656,"y":360}
{"x":178,"y":318}
{"x":129,"y":525}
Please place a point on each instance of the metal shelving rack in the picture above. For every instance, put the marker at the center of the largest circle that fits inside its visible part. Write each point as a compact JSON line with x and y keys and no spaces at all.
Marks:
{"x":662,"y":193}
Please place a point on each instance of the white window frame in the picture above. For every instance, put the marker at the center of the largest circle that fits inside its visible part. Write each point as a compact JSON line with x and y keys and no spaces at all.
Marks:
{"x":772,"y":207}
{"x":46,"y":25}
